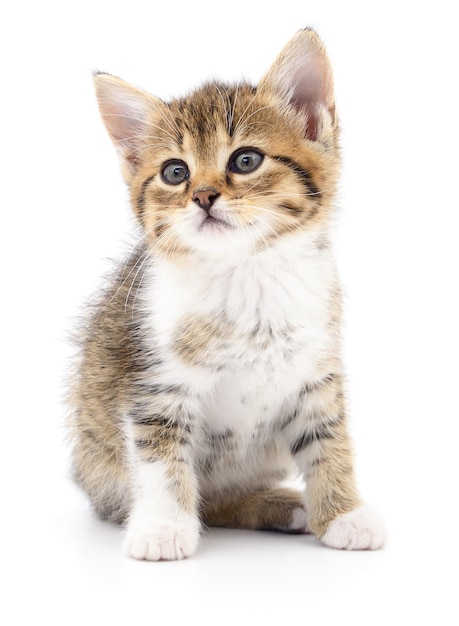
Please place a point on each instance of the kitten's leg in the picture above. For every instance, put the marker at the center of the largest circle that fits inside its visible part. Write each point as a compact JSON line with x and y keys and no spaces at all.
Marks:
{"x":274,"y":509}
{"x":99,"y":462}
{"x":323,"y":451}
{"x":163,"y":523}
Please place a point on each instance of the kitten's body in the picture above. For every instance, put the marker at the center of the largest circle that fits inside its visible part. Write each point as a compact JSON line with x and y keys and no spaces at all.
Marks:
{"x":210,"y":378}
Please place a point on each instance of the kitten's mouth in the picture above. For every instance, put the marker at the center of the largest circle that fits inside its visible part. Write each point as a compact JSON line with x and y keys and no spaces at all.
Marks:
{"x":214,"y":223}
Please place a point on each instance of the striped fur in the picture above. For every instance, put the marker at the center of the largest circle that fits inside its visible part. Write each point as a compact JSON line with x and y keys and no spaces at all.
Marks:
{"x":210,"y":378}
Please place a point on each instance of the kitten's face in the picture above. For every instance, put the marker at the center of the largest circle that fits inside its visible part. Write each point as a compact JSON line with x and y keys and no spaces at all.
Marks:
{"x":230,"y":169}
{"x":224,"y":170}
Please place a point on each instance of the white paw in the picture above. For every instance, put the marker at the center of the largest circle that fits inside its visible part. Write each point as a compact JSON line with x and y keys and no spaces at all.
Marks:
{"x":163,"y":541}
{"x":361,"y":529}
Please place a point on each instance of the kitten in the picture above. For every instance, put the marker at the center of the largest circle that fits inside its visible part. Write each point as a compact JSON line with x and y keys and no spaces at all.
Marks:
{"x":210,"y":378}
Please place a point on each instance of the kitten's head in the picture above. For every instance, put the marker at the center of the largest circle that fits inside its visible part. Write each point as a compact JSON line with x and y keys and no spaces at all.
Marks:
{"x":230,"y":168}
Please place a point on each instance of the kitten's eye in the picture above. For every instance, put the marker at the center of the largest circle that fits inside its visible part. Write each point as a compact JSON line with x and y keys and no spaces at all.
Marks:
{"x":174,"y":172}
{"x":245,"y":161}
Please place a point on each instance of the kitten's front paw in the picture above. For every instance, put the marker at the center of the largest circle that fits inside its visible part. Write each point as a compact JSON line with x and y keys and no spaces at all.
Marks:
{"x":162,"y":541}
{"x":361,"y":529}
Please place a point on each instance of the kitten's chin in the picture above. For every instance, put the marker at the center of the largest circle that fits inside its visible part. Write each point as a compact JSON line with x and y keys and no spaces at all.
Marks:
{"x":213,"y":236}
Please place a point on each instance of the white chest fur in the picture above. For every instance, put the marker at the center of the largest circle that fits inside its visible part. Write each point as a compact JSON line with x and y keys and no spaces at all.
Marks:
{"x":275,"y":309}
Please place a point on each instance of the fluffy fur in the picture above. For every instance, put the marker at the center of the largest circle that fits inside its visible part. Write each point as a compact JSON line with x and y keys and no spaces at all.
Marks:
{"x":210,"y":375}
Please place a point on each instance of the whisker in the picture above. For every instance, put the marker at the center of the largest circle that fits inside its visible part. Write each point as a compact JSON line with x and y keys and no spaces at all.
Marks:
{"x":225,"y":103}
{"x":145,"y":125}
{"x":282,"y":217}
{"x":172,"y":123}
{"x":241,"y":119}
{"x":144,"y":259}
{"x":139,"y":286}
{"x":124,"y":268}
{"x":129,"y":117}
{"x":280,"y":194}
{"x":244,"y":121}
{"x":233,"y":109}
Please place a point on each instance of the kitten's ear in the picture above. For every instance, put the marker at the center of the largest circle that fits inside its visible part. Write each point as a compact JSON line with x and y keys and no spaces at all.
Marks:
{"x":302,"y":77}
{"x":125,"y":111}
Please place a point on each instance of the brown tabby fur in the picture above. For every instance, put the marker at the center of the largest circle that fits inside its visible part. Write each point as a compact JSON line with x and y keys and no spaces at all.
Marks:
{"x":116,"y":372}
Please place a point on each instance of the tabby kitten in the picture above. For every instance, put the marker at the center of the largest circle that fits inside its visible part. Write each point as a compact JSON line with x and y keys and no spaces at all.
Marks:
{"x":210,"y":381}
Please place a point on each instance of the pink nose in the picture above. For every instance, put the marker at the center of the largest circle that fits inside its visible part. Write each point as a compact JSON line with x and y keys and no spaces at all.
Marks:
{"x":205,"y":197}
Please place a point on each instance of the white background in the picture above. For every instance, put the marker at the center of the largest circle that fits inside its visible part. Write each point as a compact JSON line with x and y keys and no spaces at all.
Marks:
{"x":64,"y":211}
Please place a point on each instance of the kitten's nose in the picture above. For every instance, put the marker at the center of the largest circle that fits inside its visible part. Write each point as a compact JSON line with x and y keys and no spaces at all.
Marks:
{"x":205,"y":197}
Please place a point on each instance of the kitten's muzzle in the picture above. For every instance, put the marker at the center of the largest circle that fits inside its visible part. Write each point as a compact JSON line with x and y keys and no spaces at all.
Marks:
{"x":205,"y":197}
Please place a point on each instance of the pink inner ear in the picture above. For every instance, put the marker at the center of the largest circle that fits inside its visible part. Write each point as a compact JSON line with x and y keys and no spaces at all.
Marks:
{"x":302,"y":76}
{"x":120,"y":120}
{"x":309,"y":95}
{"x":311,"y":115}
{"x":312,"y":126}
{"x":124,"y":115}
{"x":126,"y":123}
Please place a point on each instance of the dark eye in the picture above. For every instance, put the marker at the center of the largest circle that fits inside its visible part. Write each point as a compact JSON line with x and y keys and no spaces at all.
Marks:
{"x":245,"y":161}
{"x":174,"y":172}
